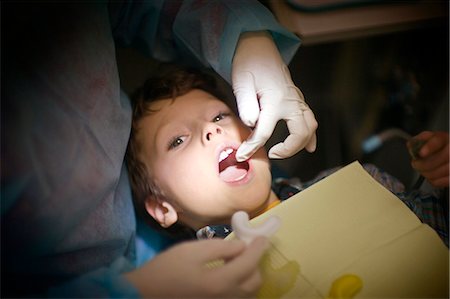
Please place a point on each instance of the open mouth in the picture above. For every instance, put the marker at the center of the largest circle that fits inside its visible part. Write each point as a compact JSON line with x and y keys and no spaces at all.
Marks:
{"x":231,"y":170}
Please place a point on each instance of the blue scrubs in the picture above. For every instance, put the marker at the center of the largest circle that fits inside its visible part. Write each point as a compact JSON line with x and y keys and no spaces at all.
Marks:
{"x":68,"y":224}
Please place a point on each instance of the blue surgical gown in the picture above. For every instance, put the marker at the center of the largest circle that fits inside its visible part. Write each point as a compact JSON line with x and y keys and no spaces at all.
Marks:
{"x":68,"y":224}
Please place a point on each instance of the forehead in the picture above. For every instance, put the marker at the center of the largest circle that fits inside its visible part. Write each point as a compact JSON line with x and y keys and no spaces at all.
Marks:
{"x":194,"y":100}
{"x":191,"y":105}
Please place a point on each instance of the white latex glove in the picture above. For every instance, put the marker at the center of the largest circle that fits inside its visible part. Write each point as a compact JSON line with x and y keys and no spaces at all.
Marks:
{"x":181,"y":271}
{"x":266,"y":94}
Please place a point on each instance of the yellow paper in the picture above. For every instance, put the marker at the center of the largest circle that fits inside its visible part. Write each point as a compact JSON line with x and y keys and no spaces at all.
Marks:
{"x":350,"y":224}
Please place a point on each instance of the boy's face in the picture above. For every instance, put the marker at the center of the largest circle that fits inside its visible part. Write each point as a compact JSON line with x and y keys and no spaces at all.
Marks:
{"x":188,"y":147}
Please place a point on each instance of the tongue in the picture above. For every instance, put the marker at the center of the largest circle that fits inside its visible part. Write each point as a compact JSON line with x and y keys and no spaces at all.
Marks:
{"x":233,"y":173}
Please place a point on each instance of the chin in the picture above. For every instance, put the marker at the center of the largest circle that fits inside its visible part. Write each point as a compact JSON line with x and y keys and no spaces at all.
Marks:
{"x":253,"y":200}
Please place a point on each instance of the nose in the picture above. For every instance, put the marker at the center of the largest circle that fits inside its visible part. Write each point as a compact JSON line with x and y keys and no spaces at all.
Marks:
{"x":211,"y":131}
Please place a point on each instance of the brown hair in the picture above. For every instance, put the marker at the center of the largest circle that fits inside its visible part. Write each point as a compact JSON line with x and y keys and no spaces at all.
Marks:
{"x":171,"y":82}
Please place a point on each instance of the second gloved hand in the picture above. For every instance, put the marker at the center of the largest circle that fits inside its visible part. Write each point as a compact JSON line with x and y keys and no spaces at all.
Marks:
{"x":266,"y":94}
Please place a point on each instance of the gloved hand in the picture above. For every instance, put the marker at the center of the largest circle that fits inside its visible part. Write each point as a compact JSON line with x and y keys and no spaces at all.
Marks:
{"x":182,"y":271}
{"x":266,"y":94}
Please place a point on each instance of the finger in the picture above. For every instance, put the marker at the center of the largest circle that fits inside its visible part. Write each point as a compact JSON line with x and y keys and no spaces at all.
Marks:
{"x":312,"y":144}
{"x":252,"y":284}
{"x":312,"y":125}
{"x":434,"y":144}
{"x":432,"y":162}
{"x":244,"y":265}
{"x":247,"y":149}
{"x":437,"y":173}
{"x":246,"y":98}
{"x":414,"y":146}
{"x":205,"y":251}
{"x":299,"y":136}
{"x":421,"y":138}
{"x":441,"y":182}
{"x":425,"y":135}
{"x":260,"y":135}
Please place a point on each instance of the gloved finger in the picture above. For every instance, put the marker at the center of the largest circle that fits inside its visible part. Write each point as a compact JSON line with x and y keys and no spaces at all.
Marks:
{"x":312,"y":125}
{"x":299,"y":136}
{"x":312,"y":144}
{"x":261,"y":133}
{"x":246,"y":98}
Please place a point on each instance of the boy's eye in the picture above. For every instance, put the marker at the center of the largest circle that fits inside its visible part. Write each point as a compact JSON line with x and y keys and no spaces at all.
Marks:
{"x":220,"y":116}
{"x":177,"y":141}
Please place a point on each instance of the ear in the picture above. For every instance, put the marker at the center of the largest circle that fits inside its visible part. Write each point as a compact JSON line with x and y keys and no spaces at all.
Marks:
{"x":162,"y":211}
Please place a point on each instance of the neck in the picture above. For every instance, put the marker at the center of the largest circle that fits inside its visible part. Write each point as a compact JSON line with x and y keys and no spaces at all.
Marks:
{"x":272,"y":202}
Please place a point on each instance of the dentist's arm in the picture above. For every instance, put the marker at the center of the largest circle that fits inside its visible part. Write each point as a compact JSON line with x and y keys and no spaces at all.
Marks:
{"x":266,"y":94}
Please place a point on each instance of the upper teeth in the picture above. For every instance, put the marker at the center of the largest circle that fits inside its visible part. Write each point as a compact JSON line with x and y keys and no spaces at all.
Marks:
{"x":224,"y":154}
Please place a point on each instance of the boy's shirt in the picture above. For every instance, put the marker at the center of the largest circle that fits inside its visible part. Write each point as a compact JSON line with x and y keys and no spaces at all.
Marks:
{"x":426,"y":206}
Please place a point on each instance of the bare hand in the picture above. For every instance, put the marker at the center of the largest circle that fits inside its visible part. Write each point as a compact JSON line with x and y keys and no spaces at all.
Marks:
{"x":433,"y":158}
{"x":182,"y":271}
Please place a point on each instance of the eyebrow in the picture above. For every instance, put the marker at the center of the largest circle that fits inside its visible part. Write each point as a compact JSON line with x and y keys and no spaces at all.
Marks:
{"x":160,"y":135}
{"x":160,"y":132}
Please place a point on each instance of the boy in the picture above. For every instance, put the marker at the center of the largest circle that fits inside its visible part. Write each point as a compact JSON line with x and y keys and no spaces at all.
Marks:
{"x":181,"y":160}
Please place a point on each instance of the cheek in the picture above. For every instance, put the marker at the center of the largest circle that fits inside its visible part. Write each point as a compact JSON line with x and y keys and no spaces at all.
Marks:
{"x":162,"y":171}
{"x":243,"y":130}
{"x":172,"y":171}
{"x":181,"y":174}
